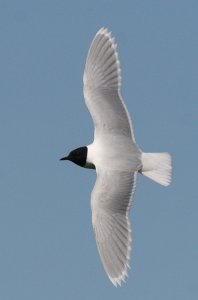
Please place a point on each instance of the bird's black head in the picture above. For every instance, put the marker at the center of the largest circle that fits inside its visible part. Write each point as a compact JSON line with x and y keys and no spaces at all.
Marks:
{"x":77,"y":156}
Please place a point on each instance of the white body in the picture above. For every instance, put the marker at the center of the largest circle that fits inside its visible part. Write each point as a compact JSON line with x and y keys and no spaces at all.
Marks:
{"x":115,"y":153}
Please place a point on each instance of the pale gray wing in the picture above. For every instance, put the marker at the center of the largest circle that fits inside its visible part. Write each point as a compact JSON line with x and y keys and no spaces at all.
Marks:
{"x":110,"y":202}
{"x":102,"y":81}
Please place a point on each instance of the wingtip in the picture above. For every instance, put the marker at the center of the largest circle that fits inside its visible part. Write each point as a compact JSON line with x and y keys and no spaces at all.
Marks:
{"x":105,"y":31}
{"x":101,"y":30}
{"x":118,"y":281}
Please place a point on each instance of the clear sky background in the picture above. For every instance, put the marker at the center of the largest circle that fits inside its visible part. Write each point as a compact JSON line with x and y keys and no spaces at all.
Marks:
{"x":47,"y":245}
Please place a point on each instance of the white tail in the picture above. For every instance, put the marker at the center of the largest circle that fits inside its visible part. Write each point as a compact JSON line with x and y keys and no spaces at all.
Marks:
{"x":157,"y":166}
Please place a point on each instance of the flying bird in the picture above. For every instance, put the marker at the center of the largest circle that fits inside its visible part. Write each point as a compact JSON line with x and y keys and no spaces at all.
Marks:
{"x":115,"y":156}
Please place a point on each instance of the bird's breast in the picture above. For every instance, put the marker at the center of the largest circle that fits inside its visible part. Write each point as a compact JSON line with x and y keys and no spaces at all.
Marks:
{"x":115,"y":152}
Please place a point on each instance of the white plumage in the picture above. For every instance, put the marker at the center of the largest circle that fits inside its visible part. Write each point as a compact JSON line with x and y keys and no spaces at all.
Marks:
{"x":115,"y":155}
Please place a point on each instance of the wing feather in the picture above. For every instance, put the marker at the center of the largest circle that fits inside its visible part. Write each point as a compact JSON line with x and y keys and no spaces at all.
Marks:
{"x":110,"y":201}
{"x":102,"y":82}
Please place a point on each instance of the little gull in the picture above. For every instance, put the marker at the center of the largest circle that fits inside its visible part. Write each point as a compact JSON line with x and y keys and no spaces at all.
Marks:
{"x":115,"y":155}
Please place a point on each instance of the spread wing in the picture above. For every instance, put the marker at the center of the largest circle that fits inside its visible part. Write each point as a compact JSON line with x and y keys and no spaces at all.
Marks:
{"x":110,"y":202}
{"x":102,"y":81}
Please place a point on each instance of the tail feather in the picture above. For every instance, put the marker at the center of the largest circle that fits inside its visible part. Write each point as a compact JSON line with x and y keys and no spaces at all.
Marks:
{"x":157,"y":166}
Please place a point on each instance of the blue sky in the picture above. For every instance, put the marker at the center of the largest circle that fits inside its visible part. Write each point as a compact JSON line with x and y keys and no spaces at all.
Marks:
{"x":47,"y":246}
